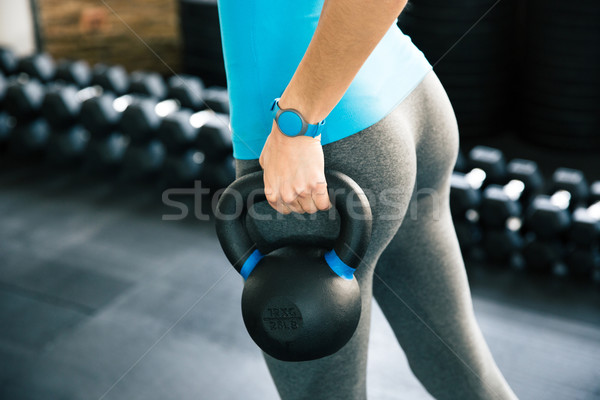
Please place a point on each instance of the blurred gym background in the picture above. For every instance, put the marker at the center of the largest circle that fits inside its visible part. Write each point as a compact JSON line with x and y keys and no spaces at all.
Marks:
{"x":107,"y":291}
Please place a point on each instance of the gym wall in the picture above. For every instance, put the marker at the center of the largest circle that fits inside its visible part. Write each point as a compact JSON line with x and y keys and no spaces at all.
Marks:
{"x":103,"y":32}
{"x":16,"y":26}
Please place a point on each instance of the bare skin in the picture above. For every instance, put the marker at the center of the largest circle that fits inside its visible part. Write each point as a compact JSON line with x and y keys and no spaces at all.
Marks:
{"x":347,"y":33}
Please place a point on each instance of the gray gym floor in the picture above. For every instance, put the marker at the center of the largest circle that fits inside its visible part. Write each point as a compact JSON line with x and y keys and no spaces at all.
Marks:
{"x":102,"y":299}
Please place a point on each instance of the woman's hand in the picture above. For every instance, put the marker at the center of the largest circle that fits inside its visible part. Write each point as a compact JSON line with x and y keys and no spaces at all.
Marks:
{"x":294,"y":173}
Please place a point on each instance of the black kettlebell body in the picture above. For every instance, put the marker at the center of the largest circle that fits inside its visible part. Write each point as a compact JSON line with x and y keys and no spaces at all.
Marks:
{"x":299,"y":303}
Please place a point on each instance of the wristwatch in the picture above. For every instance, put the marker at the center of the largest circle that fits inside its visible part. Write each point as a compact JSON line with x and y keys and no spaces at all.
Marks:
{"x":292,"y":123}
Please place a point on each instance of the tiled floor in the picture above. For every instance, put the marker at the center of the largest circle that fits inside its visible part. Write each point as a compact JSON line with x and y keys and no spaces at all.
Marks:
{"x":102,"y":299}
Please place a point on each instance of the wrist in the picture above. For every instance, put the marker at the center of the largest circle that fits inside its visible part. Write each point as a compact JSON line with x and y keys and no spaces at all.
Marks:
{"x":311,"y":112}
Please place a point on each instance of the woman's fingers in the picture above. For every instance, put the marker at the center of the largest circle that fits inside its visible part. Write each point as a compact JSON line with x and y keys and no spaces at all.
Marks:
{"x":320,"y":196}
{"x":287,"y":199}
{"x":306,"y":202}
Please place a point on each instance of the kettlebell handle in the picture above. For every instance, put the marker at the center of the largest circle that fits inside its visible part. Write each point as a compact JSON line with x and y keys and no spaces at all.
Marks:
{"x":349,"y":248}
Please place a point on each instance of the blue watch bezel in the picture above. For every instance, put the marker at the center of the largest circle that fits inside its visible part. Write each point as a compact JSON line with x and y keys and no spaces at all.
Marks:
{"x":307,"y":129}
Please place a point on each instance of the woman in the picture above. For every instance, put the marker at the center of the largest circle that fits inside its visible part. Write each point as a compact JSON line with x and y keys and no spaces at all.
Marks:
{"x":388,"y":125}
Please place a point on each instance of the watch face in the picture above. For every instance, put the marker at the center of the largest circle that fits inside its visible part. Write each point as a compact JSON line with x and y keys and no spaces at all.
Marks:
{"x":290,"y":123}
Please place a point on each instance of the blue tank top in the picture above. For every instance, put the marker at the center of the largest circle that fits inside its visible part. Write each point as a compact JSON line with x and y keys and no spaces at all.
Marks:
{"x":263,"y":43}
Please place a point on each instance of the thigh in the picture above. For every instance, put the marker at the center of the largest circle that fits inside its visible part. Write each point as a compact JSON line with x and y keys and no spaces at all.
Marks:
{"x":420,"y":281}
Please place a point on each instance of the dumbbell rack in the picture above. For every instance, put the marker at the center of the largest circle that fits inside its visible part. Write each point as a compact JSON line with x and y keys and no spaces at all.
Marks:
{"x":506,"y":216}
{"x":45,"y":116}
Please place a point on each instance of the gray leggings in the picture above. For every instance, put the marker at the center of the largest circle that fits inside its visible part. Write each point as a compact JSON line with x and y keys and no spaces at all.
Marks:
{"x":413,"y":267}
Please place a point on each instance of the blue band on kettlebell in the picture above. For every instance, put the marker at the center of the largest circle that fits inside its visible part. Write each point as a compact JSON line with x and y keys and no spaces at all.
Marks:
{"x":250,"y":263}
{"x":338,"y":266}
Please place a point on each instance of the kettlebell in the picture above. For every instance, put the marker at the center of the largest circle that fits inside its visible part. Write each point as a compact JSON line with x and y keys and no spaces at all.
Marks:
{"x":299,"y":302}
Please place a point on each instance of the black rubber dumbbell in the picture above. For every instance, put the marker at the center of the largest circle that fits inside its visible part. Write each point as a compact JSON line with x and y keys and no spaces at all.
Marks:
{"x":23,"y":98}
{"x":205,"y":130}
{"x":29,"y":138}
{"x":500,"y":203}
{"x":62,"y":104}
{"x":136,"y":114}
{"x":190,"y":138}
{"x":583,"y":259}
{"x":142,"y":117}
{"x":548,"y":219}
{"x":217,"y":99}
{"x":68,"y":144}
{"x":23,"y":102}
{"x":148,"y":84}
{"x":182,"y":169}
{"x":105,"y":154}
{"x":102,"y":115}
{"x":39,"y":66}
{"x":112,"y":78}
{"x":143,"y":160}
{"x":26,"y":93}
{"x":8,"y":61}
{"x":3,"y":87}
{"x":76,"y":72}
{"x":548,"y":216}
{"x":218,"y":174}
{"x":188,"y":90}
{"x":501,"y":212}
{"x":7,"y":124}
{"x":487,"y":165}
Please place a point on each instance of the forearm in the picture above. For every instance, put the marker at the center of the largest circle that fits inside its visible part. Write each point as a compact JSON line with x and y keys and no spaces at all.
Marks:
{"x":347,"y":33}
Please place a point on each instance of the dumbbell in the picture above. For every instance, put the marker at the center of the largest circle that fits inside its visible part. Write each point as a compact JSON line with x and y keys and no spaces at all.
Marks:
{"x":8,"y":61}
{"x":23,"y":98}
{"x":500,"y":203}
{"x":501,"y":212}
{"x":112,"y":78}
{"x":548,"y":218}
{"x":76,"y":72}
{"x":112,"y":129}
{"x":25,"y":91}
{"x":102,"y":115}
{"x":487,"y":166}
{"x":188,"y":90}
{"x":583,"y":259}
{"x":146,"y":155}
{"x":62,"y":104}
{"x":67,"y":144}
{"x":182,"y":169}
{"x":7,"y":124}
{"x":206,"y":130}
{"x":186,"y":167}
{"x":25,"y":94}
{"x":143,"y":160}
{"x":217,"y":99}
{"x":149,"y":84}
{"x":184,"y":134}
{"x":57,"y":103}
{"x":39,"y":66}
{"x":218,"y":174}
{"x":105,"y":154}
{"x":29,"y":137}
{"x":184,"y":162}
{"x":3,"y":87}
{"x":23,"y":101}
{"x":62,"y":107}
